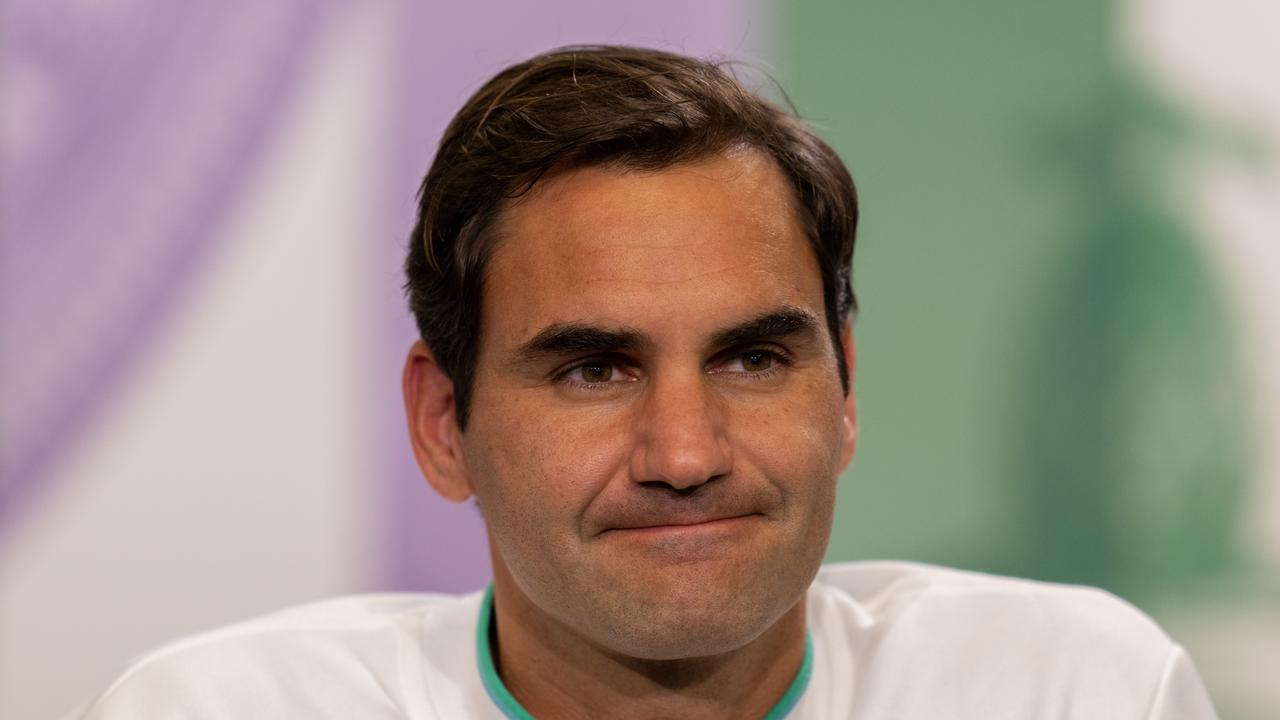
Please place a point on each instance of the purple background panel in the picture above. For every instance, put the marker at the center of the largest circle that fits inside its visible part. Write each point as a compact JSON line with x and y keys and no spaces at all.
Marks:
{"x":117,"y":169}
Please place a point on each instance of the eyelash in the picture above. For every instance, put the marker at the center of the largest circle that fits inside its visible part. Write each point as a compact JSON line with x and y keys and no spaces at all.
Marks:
{"x":607,"y":360}
{"x":781,"y":361}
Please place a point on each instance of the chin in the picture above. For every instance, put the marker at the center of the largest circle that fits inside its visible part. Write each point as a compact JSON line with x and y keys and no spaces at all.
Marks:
{"x":660,"y":642}
{"x":671,"y":627}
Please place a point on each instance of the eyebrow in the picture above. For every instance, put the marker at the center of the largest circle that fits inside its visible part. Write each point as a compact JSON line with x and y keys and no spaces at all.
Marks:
{"x":559,"y":339}
{"x":784,"y":322}
{"x":572,"y":338}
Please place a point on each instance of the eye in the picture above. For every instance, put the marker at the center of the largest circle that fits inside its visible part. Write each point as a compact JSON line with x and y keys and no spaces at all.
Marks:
{"x":595,"y":374}
{"x":753,"y":362}
{"x":756,"y":361}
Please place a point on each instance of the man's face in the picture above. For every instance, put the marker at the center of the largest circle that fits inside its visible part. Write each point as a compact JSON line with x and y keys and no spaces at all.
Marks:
{"x":657,"y":419}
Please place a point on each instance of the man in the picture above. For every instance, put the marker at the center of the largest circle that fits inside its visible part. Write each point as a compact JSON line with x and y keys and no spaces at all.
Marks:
{"x":632,"y":280}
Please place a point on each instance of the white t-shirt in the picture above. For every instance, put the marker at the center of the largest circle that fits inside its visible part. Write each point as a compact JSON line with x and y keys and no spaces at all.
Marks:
{"x":887,"y":641}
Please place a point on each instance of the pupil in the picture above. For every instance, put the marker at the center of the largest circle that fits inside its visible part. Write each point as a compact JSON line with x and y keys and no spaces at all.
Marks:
{"x":757,"y":361}
{"x":596,"y":373}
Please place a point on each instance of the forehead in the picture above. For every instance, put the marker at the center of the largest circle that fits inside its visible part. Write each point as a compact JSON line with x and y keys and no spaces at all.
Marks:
{"x":703,"y":243}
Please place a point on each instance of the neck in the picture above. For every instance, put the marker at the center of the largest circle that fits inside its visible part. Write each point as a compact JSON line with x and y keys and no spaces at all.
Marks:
{"x":555,"y":672}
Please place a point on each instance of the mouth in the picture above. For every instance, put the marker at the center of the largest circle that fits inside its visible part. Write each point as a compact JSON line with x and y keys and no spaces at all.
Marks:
{"x":686,"y":526}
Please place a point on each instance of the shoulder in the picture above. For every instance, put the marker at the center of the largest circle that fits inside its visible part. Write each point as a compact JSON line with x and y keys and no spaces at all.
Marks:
{"x":894,"y":589}
{"x":344,"y":652}
{"x":1001,"y":644}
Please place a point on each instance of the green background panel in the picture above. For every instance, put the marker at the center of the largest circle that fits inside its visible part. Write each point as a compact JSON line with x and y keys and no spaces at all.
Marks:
{"x":1044,"y":376}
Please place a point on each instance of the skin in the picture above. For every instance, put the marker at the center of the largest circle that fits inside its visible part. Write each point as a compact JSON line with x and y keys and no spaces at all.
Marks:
{"x":656,"y":429}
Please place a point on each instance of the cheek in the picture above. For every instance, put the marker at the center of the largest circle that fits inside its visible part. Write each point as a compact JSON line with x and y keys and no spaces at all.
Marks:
{"x":796,"y":449}
{"x":533,"y":472}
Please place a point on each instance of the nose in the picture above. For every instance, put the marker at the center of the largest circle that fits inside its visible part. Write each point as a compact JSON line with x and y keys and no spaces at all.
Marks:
{"x":681,"y":440}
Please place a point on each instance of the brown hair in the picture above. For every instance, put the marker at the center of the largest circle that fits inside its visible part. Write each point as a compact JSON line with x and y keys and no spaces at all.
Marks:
{"x":578,"y":106}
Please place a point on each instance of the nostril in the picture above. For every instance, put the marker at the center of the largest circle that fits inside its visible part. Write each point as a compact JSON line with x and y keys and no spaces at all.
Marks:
{"x":678,"y":490}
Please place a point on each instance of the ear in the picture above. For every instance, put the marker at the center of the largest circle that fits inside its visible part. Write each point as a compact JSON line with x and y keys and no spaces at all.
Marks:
{"x":849,"y":442}
{"x":433,"y":425}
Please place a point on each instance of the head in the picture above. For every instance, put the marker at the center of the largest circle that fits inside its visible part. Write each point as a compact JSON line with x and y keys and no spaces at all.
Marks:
{"x":629,"y":108}
{"x":632,"y":280}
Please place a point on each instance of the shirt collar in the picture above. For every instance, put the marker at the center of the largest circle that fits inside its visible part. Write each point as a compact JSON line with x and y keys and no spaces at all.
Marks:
{"x":511,"y":707}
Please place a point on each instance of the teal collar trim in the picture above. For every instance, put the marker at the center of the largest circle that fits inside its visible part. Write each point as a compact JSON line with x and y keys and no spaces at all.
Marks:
{"x":511,"y":707}
{"x":493,"y":684}
{"x":788,"y":701}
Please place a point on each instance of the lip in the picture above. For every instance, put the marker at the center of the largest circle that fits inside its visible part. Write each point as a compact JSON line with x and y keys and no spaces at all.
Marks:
{"x":686,"y":526}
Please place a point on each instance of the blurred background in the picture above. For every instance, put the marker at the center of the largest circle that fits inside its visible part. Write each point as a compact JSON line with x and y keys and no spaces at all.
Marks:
{"x":1069,"y":274}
